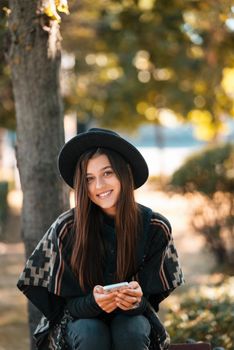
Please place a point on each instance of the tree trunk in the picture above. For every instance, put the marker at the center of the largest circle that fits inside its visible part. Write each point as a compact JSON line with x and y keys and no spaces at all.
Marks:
{"x":34,"y":58}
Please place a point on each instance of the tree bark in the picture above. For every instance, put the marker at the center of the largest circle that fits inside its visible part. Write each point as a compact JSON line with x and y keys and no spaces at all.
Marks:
{"x":34,"y":58}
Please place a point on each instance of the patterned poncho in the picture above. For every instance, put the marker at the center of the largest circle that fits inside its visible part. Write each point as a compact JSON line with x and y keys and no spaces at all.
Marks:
{"x":47,"y":279}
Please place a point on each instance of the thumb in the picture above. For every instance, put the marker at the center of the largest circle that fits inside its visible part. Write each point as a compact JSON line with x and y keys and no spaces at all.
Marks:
{"x":134,"y":284}
{"x":98,"y":289}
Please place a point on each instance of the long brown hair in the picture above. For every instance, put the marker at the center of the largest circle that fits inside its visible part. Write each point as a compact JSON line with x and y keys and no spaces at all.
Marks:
{"x":87,"y":257}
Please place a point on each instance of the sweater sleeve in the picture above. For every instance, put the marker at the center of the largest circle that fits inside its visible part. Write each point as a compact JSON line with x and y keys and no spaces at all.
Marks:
{"x":151,"y":276}
{"x":161,"y":272}
{"x":83,"y":307}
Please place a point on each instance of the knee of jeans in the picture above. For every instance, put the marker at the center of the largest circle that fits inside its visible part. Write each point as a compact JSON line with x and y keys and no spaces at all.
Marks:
{"x":132,"y":330}
{"x":87,"y":332}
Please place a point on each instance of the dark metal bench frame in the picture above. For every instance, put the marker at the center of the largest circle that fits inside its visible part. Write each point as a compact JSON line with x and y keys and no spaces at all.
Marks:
{"x":195,"y":346}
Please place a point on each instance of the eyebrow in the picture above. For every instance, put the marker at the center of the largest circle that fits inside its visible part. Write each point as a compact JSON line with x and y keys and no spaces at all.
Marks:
{"x":105,"y":167}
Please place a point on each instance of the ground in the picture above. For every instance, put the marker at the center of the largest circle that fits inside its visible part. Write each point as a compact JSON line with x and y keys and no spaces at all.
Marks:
{"x":195,"y":259}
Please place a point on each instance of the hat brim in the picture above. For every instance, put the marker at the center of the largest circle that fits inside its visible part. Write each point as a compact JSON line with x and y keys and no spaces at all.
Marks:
{"x":74,"y":148}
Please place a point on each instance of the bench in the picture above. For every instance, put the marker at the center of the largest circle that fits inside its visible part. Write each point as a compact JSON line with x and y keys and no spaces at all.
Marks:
{"x":190,"y":346}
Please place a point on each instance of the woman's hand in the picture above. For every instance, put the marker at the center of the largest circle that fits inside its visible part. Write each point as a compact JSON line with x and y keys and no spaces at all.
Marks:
{"x":105,"y":301}
{"x":130,"y":297}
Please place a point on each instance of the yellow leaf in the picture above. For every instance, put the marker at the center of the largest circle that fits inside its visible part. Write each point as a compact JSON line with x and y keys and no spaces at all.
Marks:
{"x":62,"y":6}
{"x":200,"y":87}
{"x":204,"y":133}
{"x":151,"y":113}
{"x":142,"y":107}
{"x":204,"y":126}
{"x":228,"y":81}
{"x":200,"y":116}
{"x":51,"y":8}
{"x":146,"y":4}
{"x":51,"y":13}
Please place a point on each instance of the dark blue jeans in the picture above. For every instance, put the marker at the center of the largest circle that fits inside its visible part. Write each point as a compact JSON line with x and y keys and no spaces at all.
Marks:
{"x":121,"y":333}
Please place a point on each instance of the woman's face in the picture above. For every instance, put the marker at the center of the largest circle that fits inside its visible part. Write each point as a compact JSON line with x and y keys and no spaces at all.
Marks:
{"x":103,"y":185}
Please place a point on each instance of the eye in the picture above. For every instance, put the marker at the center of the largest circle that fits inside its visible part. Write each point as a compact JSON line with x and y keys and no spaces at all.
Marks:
{"x":108,"y":172}
{"x":89,"y":179}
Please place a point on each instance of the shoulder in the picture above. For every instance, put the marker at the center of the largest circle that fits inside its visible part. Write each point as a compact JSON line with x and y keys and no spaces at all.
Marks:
{"x":63,"y":222}
{"x":160,"y":228}
{"x":156,"y":225}
{"x":66,"y":216}
{"x":159,"y":220}
{"x":155,"y":220}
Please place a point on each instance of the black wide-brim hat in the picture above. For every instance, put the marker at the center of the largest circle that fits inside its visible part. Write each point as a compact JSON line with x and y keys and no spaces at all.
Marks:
{"x":95,"y":137}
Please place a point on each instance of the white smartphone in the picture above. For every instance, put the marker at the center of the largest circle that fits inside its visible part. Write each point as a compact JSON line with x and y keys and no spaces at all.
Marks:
{"x":116,"y":286}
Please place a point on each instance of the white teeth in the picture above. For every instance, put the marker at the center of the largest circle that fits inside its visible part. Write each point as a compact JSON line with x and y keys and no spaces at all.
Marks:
{"x":105,"y":194}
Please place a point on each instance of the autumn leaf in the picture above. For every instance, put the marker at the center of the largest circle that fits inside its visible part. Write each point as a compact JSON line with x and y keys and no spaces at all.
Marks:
{"x":52,"y":7}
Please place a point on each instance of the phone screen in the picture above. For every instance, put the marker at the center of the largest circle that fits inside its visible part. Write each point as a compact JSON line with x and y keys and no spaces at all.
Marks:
{"x":116,"y":286}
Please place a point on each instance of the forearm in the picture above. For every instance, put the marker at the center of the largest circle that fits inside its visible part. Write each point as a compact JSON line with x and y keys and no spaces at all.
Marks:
{"x":83,"y":307}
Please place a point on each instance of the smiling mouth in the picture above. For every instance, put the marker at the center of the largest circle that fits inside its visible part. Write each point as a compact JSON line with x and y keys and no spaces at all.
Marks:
{"x":104,"y":194}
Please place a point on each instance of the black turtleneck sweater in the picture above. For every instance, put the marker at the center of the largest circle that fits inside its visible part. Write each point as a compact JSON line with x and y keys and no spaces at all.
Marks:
{"x":86,"y":306}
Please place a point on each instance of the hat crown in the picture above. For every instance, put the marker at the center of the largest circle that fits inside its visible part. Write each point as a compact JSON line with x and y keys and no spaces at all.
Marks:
{"x":106,"y":131}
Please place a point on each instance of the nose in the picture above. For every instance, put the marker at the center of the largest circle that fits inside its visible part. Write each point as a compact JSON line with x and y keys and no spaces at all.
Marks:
{"x":99,"y":182}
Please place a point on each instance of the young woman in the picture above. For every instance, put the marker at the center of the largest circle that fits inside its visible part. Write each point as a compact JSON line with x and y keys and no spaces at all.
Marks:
{"x":106,"y":239}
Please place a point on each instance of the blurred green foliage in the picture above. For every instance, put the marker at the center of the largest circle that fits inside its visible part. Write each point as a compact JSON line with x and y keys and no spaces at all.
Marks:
{"x":204,"y":314}
{"x":208,"y":171}
{"x":135,"y":58}
{"x":211,"y":174}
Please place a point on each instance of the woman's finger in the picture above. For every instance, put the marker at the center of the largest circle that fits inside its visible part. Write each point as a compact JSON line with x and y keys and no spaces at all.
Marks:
{"x":107,"y":306}
{"x":134,"y":284}
{"x":98,"y":296}
{"x":131,"y":292}
{"x":110,"y":307}
{"x":98,"y":289}
{"x":124,"y":305}
{"x":106,"y":303}
{"x":127,"y":298}
{"x":127,"y":302}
